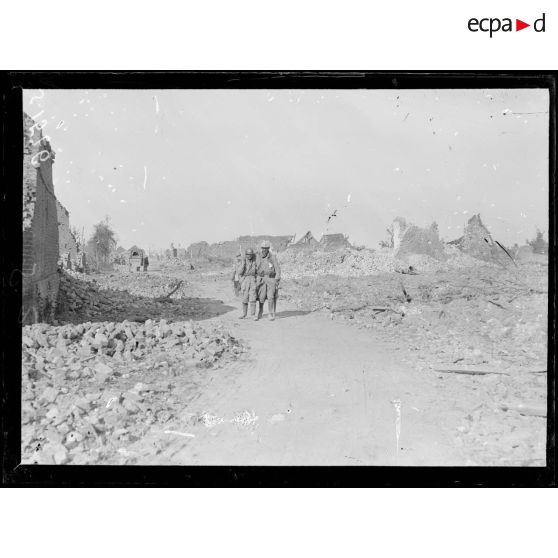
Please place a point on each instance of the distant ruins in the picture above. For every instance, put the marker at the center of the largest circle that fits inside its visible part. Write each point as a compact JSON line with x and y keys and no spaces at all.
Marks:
{"x":410,"y":239}
{"x":306,"y":241}
{"x":477,"y":241}
{"x":227,"y":250}
{"x":334,"y":241}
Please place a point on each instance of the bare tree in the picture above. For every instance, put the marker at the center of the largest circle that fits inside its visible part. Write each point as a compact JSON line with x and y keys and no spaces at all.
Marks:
{"x":102,"y":242}
{"x":539,"y":244}
{"x":78,"y":237}
{"x":387,"y":243}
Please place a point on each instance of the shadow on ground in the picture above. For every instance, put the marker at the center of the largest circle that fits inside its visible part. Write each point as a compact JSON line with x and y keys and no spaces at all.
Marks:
{"x":291,"y":313}
{"x":111,"y":305}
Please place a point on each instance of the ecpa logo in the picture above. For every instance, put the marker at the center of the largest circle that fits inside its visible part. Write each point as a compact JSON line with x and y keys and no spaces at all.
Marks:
{"x":494,"y":24}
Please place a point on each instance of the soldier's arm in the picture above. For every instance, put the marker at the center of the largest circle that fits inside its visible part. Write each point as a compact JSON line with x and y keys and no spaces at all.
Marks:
{"x":242,"y":270}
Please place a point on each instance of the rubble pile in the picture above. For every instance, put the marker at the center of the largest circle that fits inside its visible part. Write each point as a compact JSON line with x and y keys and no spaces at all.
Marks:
{"x":344,"y":263}
{"x":173,"y":264}
{"x":79,"y":296}
{"x":141,"y":284}
{"x":360,"y":263}
{"x":475,"y":316}
{"x":137,"y":297}
{"x":451,"y":326}
{"x":90,"y":390}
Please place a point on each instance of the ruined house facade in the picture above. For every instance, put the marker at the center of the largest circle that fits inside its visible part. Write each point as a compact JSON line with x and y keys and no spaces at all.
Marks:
{"x":40,"y":279}
{"x":477,"y":240}
{"x":334,"y":241}
{"x":227,"y":250}
{"x":306,"y":241}
{"x":411,"y":239}
{"x":67,"y":244}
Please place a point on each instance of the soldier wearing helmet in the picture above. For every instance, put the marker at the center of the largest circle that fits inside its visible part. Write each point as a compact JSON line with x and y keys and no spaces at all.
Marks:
{"x":247,"y":274}
{"x":239,"y":262}
{"x":268,"y":277}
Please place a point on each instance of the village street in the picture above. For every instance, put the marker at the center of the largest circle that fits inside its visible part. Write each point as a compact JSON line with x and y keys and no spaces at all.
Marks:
{"x":314,"y":392}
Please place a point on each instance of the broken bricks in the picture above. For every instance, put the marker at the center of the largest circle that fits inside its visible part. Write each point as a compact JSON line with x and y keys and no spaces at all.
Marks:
{"x":80,"y":411}
{"x":102,"y":372}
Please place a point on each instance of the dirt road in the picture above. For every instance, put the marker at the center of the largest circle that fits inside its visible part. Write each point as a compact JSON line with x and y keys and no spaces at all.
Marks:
{"x":314,"y":392}
{"x":311,"y":388}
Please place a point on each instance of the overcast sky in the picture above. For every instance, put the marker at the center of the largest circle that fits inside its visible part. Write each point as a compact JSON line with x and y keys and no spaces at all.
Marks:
{"x":187,"y":165}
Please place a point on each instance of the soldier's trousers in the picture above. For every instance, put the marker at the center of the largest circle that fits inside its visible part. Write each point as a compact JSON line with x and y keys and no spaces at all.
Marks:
{"x":267,"y":289}
{"x":249,"y":289}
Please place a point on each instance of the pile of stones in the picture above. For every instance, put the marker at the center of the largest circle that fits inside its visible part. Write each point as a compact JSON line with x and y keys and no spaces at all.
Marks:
{"x":91,"y":389}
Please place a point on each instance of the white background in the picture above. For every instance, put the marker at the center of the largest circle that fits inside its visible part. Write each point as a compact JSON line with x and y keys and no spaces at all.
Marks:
{"x":287,"y":34}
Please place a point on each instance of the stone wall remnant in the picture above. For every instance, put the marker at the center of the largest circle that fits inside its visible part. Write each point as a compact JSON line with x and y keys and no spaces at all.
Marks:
{"x":40,"y":227}
{"x":227,"y":250}
{"x":67,"y":244}
{"x":334,"y":241}
{"x":477,"y":241}
{"x":409,"y":239}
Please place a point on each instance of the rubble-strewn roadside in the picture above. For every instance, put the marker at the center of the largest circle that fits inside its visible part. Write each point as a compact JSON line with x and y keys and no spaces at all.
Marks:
{"x":133,"y":296}
{"x":474,"y":316}
{"x":361,"y":263}
{"x":91,"y":390}
{"x":483,"y":328}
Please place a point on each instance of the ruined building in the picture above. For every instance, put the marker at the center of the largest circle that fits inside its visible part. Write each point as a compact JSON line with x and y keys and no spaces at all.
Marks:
{"x":40,"y":278}
{"x":410,"y":239}
{"x":278,"y":243}
{"x":67,"y":244}
{"x":306,"y":241}
{"x":334,"y":241}
{"x":226,"y":251}
{"x":135,"y":258}
{"x":477,"y":241}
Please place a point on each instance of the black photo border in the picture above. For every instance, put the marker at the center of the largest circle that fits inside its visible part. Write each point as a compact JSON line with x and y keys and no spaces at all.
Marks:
{"x":14,"y":474}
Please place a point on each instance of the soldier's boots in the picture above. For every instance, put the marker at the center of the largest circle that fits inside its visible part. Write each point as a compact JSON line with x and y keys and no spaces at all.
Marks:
{"x":253,"y":311}
{"x":271,"y":309}
{"x":260,"y":312}
{"x":244,"y":311}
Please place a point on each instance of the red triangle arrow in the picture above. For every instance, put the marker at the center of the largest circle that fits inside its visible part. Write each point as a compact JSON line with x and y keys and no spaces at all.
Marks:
{"x":519,"y":25}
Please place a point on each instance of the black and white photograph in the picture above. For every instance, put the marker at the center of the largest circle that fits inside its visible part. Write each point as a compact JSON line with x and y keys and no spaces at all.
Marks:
{"x":285,"y":277}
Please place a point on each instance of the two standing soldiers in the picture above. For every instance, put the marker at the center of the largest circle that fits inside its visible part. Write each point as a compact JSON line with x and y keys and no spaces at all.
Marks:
{"x":258,"y":279}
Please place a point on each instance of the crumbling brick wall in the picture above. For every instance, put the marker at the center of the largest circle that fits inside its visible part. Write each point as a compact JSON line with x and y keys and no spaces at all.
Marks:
{"x":40,"y":227}
{"x":67,"y":245}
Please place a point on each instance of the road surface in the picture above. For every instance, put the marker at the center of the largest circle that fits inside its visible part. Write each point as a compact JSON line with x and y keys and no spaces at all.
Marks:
{"x":314,"y":391}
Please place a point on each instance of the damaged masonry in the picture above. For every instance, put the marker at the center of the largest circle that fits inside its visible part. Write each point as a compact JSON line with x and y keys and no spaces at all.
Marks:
{"x":416,"y":350}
